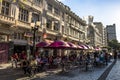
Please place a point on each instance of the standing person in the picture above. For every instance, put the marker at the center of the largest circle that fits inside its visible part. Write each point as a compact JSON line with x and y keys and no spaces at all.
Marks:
{"x":50,"y":59}
{"x":115,"y":54}
{"x":14,"y":59}
{"x":26,"y":66}
{"x":119,"y":54}
{"x":23,"y":55}
{"x":106,"y":58}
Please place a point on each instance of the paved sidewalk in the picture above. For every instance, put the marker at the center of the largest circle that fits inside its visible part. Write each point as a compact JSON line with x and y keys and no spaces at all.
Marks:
{"x":76,"y":74}
{"x":115,"y":72}
{"x":4,"y":66}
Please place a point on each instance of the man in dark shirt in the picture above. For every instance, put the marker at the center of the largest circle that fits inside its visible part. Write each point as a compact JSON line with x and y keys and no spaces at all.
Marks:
{"x":25,"y":66}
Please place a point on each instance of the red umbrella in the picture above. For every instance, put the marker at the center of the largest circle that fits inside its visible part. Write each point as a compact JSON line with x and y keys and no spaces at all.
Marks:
{"x":73,"y":46}
{"x":42,"y":44}
{"x":58,"y":44}
{"x":83,"y":46}
{"x":97,"y":49}
{"x":79,"y":47}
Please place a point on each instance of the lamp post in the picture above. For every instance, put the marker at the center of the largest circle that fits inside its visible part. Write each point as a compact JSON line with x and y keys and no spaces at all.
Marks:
{"x":35,"y":27}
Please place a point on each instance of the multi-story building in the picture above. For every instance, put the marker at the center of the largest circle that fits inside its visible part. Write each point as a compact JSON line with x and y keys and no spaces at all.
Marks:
{"x":100,"y":28}
{"x":56,"y":20}
{"x":105,"y":38}
{"x":111,"y":32}
{"x":64,"y":21}
{"x":94,"y":33}
{"x":15,"y":19}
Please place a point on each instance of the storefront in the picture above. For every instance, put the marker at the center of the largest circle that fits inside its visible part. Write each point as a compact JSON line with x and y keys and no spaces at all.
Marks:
{"x":19,"y":46}
{"x":4,"y":52}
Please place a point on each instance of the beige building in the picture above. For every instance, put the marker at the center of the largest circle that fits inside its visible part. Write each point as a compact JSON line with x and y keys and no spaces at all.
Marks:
{"x":100,"y":28}
{"x":56,"y":20}
{"x":65,"y":21}
{"x":105,"y":39}
{"x":95,"y":32}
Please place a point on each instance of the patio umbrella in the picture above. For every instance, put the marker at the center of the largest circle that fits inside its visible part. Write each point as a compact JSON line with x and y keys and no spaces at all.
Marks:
{"x":97,"y":49}
{"x":84,"y":47}
{"x":79,"y":47}
{"x":42,"y":44}
{"x":59,"y":44}
{"x":72,"y":46}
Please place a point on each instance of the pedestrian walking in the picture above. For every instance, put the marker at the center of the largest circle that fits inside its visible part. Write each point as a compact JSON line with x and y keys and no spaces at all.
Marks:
{"x":106,"y":58}
{"x":14,"y":59}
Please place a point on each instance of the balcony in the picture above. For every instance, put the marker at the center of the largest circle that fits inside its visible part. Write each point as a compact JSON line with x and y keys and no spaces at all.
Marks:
{"x":74,"y":38}
{"x":23,"y":24}
{"x":76,"y":28}
{"x":55,"y":16}
{"x":33,"y":5}
{"x":52,"y":32}
{"x":7,"y":19}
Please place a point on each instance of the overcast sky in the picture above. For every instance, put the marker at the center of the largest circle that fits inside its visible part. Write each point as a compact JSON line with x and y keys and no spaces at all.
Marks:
{"x":105,"y":11}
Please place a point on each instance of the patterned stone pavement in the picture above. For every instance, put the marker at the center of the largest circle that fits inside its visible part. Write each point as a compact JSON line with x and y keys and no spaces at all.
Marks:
{"x":115,"y":72}
{"x":75,"y":74}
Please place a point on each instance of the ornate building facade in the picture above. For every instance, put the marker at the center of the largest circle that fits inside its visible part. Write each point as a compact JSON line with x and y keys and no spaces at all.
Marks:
{"x":56,"y":20}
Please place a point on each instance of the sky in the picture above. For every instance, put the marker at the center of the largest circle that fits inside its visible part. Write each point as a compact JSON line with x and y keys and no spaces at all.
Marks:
{"x":105,"y":11}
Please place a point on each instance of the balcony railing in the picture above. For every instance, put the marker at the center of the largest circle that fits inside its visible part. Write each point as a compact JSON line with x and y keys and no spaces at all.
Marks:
{"x":55,"y":16}
{"x":23,"y":24}
{"x":7,"y":19}
{"x":32,"y":4}
{"x":53,"y":32}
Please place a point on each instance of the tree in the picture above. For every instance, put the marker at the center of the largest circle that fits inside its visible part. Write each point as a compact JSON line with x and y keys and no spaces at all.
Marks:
{"x":114,"y":44}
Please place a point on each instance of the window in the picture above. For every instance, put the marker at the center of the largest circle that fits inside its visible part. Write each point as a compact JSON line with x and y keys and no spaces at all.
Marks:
{"x":23,"y":15}
{"x":56,"y":11}
{"x":37,"y":2}
{"x":67,"y":18}
{"x":5,"y":8}
{"x":50,"y":7}
{"x":63,"y":17}
{"x":19,"y":36}
{"x":49,"y":24}
{"x":38,"y":38}
{"x":56,"y":26}
{"x":63,"y":29}
{"x":15,"y":35}
{"x":35,"y":17}
{"x":22,"y":36}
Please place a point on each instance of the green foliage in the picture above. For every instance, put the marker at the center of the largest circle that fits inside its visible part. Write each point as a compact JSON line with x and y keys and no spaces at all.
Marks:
{"x":114,"y":44}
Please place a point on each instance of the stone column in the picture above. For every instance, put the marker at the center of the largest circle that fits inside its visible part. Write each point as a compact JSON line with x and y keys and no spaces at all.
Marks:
{"x":29,"y":17}
{"x":52,"y":25}
{"x":16,"y":12}
{"x":0,"y":7}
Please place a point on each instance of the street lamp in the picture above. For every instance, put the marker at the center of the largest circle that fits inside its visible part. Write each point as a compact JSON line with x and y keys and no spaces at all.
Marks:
{"x":35,"y":27}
